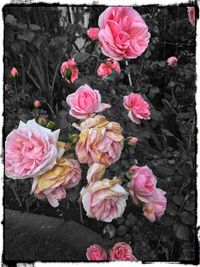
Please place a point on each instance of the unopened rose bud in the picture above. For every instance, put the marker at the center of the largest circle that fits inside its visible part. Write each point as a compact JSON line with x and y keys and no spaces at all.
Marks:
{"x":50,"y":125}
{"x":172,"y":61}
{"x":132,"y":141}
{"x":14,"y":73}
{"x":42,"y":121}
{"x":92,"y":33}
{"x":74,"y":138}
{"x":37,"y":103}
{"x":7,"y":87}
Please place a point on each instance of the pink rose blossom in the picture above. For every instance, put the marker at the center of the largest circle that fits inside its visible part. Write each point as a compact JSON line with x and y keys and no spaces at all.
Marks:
{"x":30,"y":150}
{"x":92,"y":33}
{"x":123,"y":33}
{"x":14,"y":72}
{"x":133,"y":140}
{"x":85,"y":102}
{"x":142,"y":185}
{"x":121,"y":251}
{"x":100,"y":141}
{"x":191,"y":15}
{"x":172,"y":61}
{"x":95,"y":172}
{"x":105,"y":69}
{"x":52,"y":184}
{"x":156,"y":208}
{"x":104,"y":200}
{"x":69,"y":70}
{"x":138,"y":108}
{"x":96,"y":253}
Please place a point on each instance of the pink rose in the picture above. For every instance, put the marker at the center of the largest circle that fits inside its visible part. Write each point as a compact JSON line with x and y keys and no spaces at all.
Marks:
{"x":156,"y":208}
{"x":69,"y":70}
{"x":105,"y":69}
{"x":191,"y":15}
{"x":138,"y":108}
{"x":96,"y":253}
{"x":52,"y":184}
{"x":100,"y":141}
{"x":142,"y":185}
{"x":92,"y":33}
{"x":37,"y":103}
{"x":121,"y":251}
{"x":85,"y":102}
{"x":95,"y":172}
{"x":104,"y":200}
{"x":172,"y":61}
{"x":133,"y":140}
{"x":14,"y":72}
{"x":123,"y":33}
{"x":30,"y":150}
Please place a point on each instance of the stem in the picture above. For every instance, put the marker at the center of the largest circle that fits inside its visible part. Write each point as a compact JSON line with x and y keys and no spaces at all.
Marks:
{"x":54,"y":115}
{"x":81,"y":214}
{"x":15,"y":86}
{"x":129,"y":76}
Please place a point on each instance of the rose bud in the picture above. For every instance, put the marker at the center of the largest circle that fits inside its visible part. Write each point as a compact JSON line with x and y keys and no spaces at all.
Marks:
{"x":172,"y":61}
{"x":69,"y":70}
{"x":109,"y":230}
{"x":191,"y":15}
{"x":132,"y":141}
{"x":37,"y":103}
{"x":96,"y":253}
{"x":14,"y":73}
{"x":92,"y":33}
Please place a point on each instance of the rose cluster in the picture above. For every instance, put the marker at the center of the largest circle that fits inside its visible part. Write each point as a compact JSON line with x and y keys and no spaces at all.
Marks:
{"x":121,"y":251}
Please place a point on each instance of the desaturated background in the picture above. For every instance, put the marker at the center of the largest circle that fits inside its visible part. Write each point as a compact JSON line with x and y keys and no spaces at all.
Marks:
{"x":197,"y":83}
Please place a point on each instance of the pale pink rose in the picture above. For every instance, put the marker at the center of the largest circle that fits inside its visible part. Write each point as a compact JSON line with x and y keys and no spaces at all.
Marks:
{"x":100,"y":141}
{"x":172,"y":61}
{"x":30,"y":150}
{"x":138,"y":108}
{"x":191,"y":15}
{"x":121,"y":251}
{"x":96,"y":253}
{"x":14,"y":72}
{"x":52,"y":184}
{"x":104,"y":200}
{"x":133,"y":140}
{"x":142,"y":185}
{"x":123,"y":33}
{"x":105,"y":69}
{"x":85,"y":102}
{"x":69,"y":70}
{"x":92,"y":33}
{"x":156,"y":208}
{"x":95,"y":172}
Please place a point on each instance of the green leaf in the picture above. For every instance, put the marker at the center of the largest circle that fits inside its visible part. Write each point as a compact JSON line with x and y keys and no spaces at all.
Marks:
{"x":167,"y":220}
{"x":178,"y":200}
{"x":61,"y":119}
{"x":68,"y":74}
{"x":172,"y":209}
{"x":81,"y":57}
{"x":112,"y":76}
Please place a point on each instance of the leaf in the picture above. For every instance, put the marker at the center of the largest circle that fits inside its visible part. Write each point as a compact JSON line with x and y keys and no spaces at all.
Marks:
{"x":162,"y":63}
{"x":10,"y":19}
{"x":26,"y":36}
{"x":182,"y":232}
{"x":190,"y":204}
{"x":178,"y":200}
{"x":156,"y":115}
{"x":61,"y":119}
{"x":187,"y":217}
{"x":34,"y":27}
{"x":167,"y":220}
{"x":163,"y":172}
{"x":81,"y":57}
{"x":172,"y":209}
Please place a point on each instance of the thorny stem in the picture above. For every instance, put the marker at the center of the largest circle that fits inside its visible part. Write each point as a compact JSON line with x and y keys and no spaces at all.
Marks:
{"x":54,"y":115}
{"x":129,"y":76}
{"x":15,"y":86}
{"x":16,"y":195}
